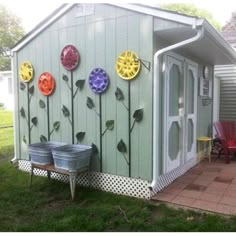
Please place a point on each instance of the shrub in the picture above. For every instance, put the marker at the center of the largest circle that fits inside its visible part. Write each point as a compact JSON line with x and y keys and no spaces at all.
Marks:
{"x":2,"y":107}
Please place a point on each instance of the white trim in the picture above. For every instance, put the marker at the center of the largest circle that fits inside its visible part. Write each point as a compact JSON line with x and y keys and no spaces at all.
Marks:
{"x":160,"y":13}
{"x":168,"y":164}
{"x":42,"y":27}
{"x":193,"y":117}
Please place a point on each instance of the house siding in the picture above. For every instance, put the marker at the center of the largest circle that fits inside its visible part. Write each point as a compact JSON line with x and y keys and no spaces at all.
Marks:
{"x":227,"y":99}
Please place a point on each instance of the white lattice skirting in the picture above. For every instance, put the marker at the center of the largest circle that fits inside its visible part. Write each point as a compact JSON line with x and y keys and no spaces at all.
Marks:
{"x":166,"y":179}
{"x":117,"y":184}
{"x":105,"y":182}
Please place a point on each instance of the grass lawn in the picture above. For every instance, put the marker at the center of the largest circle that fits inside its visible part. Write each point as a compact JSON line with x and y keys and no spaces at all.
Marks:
{"x":47,"y":207}
{"x":6,"y":135}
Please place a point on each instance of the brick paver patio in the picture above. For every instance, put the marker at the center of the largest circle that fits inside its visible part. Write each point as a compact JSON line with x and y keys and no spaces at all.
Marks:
{"x":207,"y":186}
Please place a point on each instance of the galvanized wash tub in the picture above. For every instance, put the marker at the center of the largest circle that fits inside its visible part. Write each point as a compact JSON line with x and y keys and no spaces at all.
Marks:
{"x":41,"y":153}
{"x":72,"y":156}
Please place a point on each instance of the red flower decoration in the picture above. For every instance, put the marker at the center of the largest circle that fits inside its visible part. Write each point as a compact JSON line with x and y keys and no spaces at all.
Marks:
{"x":70,"y":57}
{"x":46,"y":83}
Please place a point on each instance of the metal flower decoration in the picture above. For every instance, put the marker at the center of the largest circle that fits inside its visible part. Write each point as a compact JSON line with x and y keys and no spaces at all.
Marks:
{"x":98,"y":80}
{"x":70,"y":57}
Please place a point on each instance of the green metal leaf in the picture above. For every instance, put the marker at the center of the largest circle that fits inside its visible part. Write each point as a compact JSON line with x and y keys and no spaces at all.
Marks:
{"x":22,"y":86}
{"x":24,"y":139}
{"x":80,"y":136}
{"x":43,"y":139}
{"x":121,"y":146}
{"x":119,"y":94}
{"x":22,"y":112}
{"x":34,"y":120}
{"x":80,"y":83}
{"x":56,"y":125}
{"x":90,"y":103}
{"x":65,"y":111}
{"x":31,"y":90}
{"x":138,"y":115}
{"x":110,"y":124}
{"x":94,"y":148}
{"x":65,"y":77}
{"x":42,"y":104}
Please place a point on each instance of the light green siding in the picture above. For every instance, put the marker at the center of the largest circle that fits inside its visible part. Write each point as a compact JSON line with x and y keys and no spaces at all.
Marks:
{"x":205,"y":112}
{"x":99,"y":38}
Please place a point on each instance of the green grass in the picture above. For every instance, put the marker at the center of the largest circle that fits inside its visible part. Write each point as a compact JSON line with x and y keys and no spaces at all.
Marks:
{"x":6,"y":118}
{"x":6,"y":135}
{"x":47,"y":207}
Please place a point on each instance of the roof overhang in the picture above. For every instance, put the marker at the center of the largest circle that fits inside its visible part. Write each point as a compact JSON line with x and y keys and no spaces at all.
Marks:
{"x":211,"y":49}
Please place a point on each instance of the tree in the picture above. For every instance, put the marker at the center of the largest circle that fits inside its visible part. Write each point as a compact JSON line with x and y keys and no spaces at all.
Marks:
{"x":192,"y":10}
{"x":11,"y":32}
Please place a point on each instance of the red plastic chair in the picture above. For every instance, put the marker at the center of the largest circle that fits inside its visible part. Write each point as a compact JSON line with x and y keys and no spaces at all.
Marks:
{"x":226,"y":133}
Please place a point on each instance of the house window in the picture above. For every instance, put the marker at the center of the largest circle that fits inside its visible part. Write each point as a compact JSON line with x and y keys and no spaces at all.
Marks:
{"x":10,"y":85}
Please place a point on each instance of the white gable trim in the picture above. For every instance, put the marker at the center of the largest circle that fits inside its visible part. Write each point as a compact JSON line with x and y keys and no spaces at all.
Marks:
{"x":160,"y":13}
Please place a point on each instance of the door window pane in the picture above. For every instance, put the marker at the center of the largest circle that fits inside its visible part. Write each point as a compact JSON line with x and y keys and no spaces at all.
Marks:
{"x":190,"y":92}
{"x":174,"y":90}
{"x":174,"y":140}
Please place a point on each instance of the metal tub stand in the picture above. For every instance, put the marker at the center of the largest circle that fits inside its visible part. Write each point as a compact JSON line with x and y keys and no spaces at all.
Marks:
{"x":51,"y":168}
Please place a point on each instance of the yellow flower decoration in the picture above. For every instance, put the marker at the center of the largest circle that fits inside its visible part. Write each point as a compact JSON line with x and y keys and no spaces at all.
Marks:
{"x":26,"y":71}
{"x":127,"y":65}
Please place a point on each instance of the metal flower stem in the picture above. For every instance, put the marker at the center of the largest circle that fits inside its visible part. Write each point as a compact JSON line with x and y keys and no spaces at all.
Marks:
{"x":126,"y":159}
{"x":132,"y":126}
{"x":125,"y":105}
{"x":100,"y":126}
{"x":72,"y":108}
{"x":48,"y":119}
{"x":28,"y":113}
{"x":129,"y":126}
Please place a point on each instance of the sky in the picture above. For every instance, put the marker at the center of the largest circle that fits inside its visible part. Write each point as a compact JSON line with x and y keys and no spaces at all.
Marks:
{"x":32,"y":12}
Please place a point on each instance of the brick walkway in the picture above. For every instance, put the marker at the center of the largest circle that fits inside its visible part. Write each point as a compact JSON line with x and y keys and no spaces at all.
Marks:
{"x":207,"y":186}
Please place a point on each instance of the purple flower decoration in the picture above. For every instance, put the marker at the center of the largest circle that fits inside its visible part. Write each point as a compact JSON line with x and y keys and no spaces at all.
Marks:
{"x":98,"y":80}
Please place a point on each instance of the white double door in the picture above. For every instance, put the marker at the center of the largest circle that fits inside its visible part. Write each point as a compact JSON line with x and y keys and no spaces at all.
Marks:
{"x":180,"y":110}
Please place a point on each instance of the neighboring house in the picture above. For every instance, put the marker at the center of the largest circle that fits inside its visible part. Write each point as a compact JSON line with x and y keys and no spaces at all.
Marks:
{"x":225,"y":79}
{"x":156,"y":117}
{"x":6,"y":89}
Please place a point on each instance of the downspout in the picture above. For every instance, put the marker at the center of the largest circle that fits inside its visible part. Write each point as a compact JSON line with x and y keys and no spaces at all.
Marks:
{"x":156,"y":100}
{"x":14,"y":160}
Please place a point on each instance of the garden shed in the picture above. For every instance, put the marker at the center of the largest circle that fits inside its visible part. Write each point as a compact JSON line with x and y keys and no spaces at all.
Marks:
{"x":133,"y":81}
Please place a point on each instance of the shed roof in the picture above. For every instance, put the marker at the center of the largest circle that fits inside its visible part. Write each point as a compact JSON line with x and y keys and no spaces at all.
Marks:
{"x":212,"y":48}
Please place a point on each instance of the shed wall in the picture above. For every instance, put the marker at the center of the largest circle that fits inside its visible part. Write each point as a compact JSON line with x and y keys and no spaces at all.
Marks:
{"x":99,"y":38}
